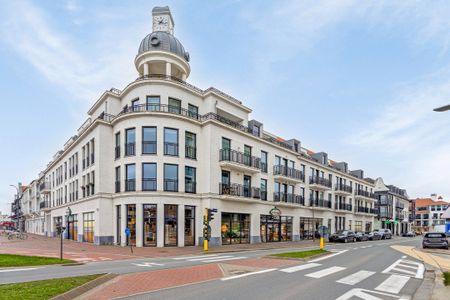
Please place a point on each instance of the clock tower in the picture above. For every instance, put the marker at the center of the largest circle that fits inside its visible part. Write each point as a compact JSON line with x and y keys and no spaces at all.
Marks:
{"x":162,"y":19}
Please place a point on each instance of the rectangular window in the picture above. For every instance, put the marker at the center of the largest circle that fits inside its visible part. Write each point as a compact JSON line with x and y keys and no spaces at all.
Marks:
{"x":135,"y":104}
{"x":150,"y":217}
{"x":170,"y":225}
{"x":190,"y":180}
{"x":88,"y":227}
{"x":88,"y":153}
{"x":193,"y":111}
{"x":171,"y":141}
{"x":263,"y":161}
{"x":149,"y":140}
{"x":170,"y":178}
{"x":263,"y":189}
{"x":117,"y":189}
{"x":92,"y":152}
{"x":189,"y":225}
{"x":130,"y":178}
{"x":191,"y":145}
{"x":247,"y":155}
{"x":130,"y":142}
{"x":174,"y":106}
{"x":226,"y":149}
{"x":92,"y":183}
{"x":247,"y":186}
{"x":235,"y":228}
{"x":117,"y":149}
{"x":153,"y":103}
{"x":149,"y":177}
{"x":131,"y":224}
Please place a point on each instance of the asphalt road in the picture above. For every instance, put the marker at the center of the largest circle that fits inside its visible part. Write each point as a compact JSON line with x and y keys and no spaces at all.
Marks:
{"x":353,"y":274}
{"x":379,"y":253}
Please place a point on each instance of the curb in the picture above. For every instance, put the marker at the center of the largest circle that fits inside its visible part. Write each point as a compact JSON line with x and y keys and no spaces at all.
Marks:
{"x":84,"y":288}
{"x":298,"y":259}
{"x":426,"y":288}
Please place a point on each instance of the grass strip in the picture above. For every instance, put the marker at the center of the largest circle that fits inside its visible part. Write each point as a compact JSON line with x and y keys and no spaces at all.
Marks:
{"x":13,"y":260}
{"x":301,"y":254}
{"x":447,"y":278}
{"x":42,"y":289}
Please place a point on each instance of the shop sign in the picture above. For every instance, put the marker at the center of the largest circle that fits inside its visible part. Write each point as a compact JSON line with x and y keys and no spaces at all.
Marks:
{"x":275,"y":212}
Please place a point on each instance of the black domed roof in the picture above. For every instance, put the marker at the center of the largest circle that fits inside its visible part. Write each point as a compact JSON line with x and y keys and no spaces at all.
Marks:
{"x":163,"y":41}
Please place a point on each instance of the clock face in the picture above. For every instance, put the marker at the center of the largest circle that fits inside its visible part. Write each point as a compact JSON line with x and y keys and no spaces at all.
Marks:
{"x":160,"y":23}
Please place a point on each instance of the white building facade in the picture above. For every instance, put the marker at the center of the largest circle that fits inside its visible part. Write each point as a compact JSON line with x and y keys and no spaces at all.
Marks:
{"x":153,"y":156}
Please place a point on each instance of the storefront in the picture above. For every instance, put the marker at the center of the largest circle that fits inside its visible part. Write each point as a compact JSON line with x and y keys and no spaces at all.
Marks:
{"x":170,"y":225}
{"x":149,"y":231}
{"x":275,"y":228}
{"x":131,"y":224}
{"x":309,"y":228}
{"x":235,"y":228}
{"x":72,"y":227}
{"x":88,"y":227}
{"x":189,"y":225}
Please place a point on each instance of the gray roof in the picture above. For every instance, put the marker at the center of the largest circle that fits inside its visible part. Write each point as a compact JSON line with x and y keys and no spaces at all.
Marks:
{"x":163,"y":41}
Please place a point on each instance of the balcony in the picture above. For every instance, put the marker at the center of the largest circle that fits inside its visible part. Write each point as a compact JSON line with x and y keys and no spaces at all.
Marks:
{"x":399,"y":205}
{"x":364,"y":195}
{"x":239,"y":161}
{"x":343,"y":206}
{"x":288,"y":198}
{"x":44,"y":187}
{"x":343,"y":189}
{"x":170,"y":185}
{"x":319,"y":183}
{"x":44,"y":205}
{"x":239,"y":190}
{"x":148,"y":147}
{"x":289,"y":175}
{"x":149,"y":184}
{"x":320,"y":203}
{"x":384,"y":202}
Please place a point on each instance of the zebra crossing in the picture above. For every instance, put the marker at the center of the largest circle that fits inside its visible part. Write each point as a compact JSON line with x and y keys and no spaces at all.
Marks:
{"x":209,"y":258}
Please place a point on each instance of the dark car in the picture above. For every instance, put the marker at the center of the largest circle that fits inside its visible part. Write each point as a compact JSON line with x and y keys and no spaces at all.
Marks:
{"x":435,"y":240}
{"x":374,"y":235}
{"x":361,"y":236}
{"x":385,"y":233}
{"x":343,"y":236}
{"x":409,"y":234}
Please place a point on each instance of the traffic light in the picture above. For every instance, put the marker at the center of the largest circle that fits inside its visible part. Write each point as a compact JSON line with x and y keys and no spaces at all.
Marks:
{"x":211,"y":212}
{"x":207,"y":232}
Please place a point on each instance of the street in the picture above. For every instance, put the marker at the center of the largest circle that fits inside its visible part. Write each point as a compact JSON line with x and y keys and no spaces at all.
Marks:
{"x":364,"y":269}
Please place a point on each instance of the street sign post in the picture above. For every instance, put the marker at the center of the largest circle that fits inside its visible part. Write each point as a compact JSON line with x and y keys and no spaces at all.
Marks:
{"x":322,"y":231}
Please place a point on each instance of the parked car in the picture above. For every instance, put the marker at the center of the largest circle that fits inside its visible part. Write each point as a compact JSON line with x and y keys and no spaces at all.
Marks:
{"x":385,"y":233}
{"x":374,"y":235}
{"x":343,"y":236}
{"x":361,"y":236}
{"x":435,"y":240}
{"x":409,"y":234}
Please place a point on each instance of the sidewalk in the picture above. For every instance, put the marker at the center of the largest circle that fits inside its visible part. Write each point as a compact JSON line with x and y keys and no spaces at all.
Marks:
{"x":85,"y":252}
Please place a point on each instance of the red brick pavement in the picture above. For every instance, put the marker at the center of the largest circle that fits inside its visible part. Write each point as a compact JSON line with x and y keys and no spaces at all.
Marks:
{"x":85,"y":252}
{"x":136,"y":283}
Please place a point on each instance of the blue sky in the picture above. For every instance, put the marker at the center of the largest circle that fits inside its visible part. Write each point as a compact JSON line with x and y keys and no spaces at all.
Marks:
{"x":357,"y":79}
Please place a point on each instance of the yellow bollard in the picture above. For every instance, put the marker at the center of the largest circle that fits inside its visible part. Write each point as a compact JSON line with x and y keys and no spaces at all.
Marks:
{"x":321,"y":243}
{"x":205,"y":245}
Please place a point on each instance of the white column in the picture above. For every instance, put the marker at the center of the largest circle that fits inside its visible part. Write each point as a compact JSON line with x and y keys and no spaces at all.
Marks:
{"x":180,"y":225}
{"x":168,"y":69}
{"x":160,"y":225}
{"x":296,"y":228}
{"x":183,"y":76}
{"x":139,"y":224}
{"x":123,"y":221}
{"x":255,"y":228}
{"x":146,"y":68}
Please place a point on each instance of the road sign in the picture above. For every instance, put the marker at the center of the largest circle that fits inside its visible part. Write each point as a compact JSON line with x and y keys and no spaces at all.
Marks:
{"x":127,"y":231}
{"x":323,"y":230}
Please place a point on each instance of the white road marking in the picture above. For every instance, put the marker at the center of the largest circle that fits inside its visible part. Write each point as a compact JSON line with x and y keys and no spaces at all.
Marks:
{"x":223,"y":259}
{"x":105,"y":258}
{"x":147,"y":264}
{"x":325,"y":272}
{"x":207,"y":258}
{"x":328,"y":256}
{"x":191,"y":257}
{"x":356,"y":277}
{"x":248,"y":274}
{"x":394,"y":268}
{"x":367,"y":295}
{"x":393,"y":284}
{"x":299,"y":268}
{"x":17,"y":270}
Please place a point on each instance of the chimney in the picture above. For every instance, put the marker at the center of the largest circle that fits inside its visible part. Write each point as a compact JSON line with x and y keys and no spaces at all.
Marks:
{"x":433,"y":197}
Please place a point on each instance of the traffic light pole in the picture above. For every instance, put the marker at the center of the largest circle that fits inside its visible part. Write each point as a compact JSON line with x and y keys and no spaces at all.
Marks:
{"x":205,"y":230}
